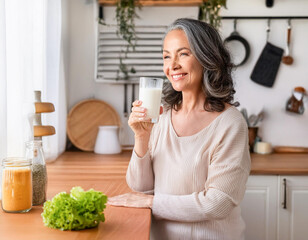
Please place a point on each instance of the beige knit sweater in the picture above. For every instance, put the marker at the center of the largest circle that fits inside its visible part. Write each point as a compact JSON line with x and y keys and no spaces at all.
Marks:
{"x":198,"y":181}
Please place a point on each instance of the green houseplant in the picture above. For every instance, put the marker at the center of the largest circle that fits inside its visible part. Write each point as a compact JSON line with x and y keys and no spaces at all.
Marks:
{"x":125,"y":16}
{"x":209,"y":11}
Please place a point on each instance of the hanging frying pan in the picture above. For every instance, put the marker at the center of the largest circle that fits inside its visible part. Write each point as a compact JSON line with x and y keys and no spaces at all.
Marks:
{"x":238,"y":47}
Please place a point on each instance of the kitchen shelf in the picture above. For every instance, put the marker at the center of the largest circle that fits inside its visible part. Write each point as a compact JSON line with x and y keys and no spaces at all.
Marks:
{"x":157,"y":2}
{"x":263,"y":17}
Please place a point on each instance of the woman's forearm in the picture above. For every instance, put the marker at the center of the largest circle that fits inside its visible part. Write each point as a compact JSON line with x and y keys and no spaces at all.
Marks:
{"x":139,"y":175}
{"x":141,"y":145}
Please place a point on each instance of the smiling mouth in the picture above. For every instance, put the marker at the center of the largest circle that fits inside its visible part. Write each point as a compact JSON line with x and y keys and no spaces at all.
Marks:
{"x":178,"y":76}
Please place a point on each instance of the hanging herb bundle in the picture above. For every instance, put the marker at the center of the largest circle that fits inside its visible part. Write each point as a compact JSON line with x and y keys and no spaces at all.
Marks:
{"x":123,"y":69}
{"x":125,"y":15}
{"x":209,"y":11}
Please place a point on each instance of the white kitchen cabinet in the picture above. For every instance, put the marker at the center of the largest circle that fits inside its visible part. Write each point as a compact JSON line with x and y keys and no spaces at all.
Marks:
{"x":259,"y":207}
{"x":293,"y":221}
{"x":263,"y":209}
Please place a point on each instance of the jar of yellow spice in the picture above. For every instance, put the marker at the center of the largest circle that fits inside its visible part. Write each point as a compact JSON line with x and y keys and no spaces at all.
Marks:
{"x":16,"y":185}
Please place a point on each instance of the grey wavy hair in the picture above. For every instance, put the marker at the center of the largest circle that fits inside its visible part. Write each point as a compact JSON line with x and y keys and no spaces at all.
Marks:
{"x":208,"y":48}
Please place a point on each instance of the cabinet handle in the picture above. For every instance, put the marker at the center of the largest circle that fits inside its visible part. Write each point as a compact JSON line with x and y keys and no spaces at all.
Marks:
{"x":284,"y":203}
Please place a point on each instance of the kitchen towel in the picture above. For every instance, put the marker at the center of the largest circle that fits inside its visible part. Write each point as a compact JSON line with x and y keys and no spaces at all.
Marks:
{"x":267,"y":66}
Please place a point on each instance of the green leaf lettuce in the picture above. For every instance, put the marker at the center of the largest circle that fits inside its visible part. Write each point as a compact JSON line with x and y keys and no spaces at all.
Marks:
{"x":75,"y":211}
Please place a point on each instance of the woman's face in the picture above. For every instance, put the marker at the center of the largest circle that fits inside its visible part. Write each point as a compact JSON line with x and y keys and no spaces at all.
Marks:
{"x":181,"y":68}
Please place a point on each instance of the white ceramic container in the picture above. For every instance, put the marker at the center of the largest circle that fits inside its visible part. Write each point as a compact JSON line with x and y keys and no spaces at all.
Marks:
{"x":107,"y":140}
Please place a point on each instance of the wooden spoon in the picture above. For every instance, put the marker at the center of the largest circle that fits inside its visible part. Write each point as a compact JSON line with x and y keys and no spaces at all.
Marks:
{"x":287,"y":59}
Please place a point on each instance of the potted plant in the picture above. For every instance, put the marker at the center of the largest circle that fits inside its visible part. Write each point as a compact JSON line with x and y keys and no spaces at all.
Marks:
{"x":125,"y":16}
{"x":209,"y":11}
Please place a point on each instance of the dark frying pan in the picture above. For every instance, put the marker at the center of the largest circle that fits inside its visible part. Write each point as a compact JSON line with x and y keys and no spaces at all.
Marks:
{"x":235,"y":36}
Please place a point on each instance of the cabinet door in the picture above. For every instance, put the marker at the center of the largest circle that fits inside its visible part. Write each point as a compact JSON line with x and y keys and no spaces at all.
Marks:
{"x":293,"y":220}
{"x":259,"y":207}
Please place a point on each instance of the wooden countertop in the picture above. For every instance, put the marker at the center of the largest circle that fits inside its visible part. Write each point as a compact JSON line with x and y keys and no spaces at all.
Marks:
{"x":279,"y":164}
{"x":104,"y":173}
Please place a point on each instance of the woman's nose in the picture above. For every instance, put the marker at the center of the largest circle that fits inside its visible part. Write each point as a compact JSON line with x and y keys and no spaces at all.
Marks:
{"x":174,"y":64}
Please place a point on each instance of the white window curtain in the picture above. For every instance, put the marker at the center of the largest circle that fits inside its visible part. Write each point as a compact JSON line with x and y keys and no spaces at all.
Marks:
{"x":31,"y":59}
{"x":3,"y":125}
{"x":54,"y":89}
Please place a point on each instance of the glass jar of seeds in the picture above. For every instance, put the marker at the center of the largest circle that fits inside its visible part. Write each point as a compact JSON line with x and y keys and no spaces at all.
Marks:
{"x":34,"y":151}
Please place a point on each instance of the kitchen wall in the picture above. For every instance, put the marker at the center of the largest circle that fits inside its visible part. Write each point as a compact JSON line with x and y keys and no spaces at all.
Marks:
{"x":278,"y":127}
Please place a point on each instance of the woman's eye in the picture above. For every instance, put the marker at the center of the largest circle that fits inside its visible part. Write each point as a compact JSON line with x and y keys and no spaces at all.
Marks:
{"x":184,"y":54}
{"x":165,"y":57}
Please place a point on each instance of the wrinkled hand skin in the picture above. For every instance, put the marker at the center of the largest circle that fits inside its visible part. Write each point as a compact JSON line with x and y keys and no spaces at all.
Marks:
{"x":132,"y":199}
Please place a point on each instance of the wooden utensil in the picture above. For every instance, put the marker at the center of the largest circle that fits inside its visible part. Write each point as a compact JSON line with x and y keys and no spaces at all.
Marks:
{"x":84,"y":119}
{"x":288,"y":149}
{"x":44,"y":107}
{"x":287,"y":59}
{"x":40,"y":131}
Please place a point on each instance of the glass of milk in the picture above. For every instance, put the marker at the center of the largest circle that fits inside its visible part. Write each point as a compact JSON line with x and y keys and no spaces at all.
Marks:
{"x":150,"y":90}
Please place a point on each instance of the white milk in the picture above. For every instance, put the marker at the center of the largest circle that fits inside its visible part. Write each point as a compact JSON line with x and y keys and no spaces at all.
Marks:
{"x":151,"y":99}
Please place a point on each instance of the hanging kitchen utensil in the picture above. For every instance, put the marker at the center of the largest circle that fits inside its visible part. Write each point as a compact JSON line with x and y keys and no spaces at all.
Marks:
{"x":267,"y":66}
{"x":123,"y":133}
{"x":287,"y":59}
{"x":269,"y":3}
{"x":295,"y":103}
{"x":125,"y":101}
{"x":133,"y":94}
{"x":238,"y":47}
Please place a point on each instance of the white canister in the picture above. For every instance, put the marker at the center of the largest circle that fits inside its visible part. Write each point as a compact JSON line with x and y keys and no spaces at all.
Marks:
{"x":263,"y":148}
{"x":107,"y":140}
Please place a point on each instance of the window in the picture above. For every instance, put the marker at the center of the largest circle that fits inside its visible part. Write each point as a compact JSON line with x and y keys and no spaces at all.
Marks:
{"x":115,"y":65}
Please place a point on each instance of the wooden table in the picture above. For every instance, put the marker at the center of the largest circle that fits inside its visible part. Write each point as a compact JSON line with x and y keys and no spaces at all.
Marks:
{"x":104,"y":173}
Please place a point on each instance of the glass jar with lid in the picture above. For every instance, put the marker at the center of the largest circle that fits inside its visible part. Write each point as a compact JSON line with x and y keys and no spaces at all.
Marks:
{"x":16,"y":185}
{"x":34,"y":152}
{"x":295,"y":103}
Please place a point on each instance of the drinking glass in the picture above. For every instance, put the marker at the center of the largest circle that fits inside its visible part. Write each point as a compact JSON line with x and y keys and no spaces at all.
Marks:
{"x":150,"y":91}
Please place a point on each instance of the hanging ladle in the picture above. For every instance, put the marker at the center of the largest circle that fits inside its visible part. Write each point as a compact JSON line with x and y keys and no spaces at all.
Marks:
{"x":287,"y":59}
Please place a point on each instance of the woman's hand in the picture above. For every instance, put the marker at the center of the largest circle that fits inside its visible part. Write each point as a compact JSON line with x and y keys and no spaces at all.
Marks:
{"x":141,"y":126}
{"x":138,"y":120}
{"x":133,"y":199}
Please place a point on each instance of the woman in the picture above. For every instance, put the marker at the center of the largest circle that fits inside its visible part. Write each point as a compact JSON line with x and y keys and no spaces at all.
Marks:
{"x":196,"y":159}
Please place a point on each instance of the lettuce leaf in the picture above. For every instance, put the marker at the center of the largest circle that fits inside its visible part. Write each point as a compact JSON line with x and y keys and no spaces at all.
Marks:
{"x":75,"y":211}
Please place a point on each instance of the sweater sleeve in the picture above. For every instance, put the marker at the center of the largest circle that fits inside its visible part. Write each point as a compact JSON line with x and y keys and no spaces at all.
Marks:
{"x":224,"y":188}
{"x":139,"y":175}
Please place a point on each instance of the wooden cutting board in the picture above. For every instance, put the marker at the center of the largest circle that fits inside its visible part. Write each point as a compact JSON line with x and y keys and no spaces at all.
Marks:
{"x":84,"y":119}
{"x":287,"y":149}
